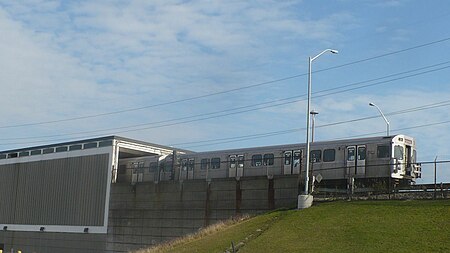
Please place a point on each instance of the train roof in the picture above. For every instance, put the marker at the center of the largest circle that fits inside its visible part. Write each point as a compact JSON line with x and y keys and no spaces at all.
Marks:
{"x":315,"y":144}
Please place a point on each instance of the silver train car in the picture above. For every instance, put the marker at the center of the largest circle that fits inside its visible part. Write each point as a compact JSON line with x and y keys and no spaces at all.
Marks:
{"x":363,"y":162}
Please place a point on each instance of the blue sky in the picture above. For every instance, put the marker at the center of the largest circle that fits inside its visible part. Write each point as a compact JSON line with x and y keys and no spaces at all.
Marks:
{"x":149,"y":70}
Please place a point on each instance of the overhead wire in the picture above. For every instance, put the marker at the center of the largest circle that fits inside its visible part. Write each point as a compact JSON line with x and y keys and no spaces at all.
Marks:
{"x":268,"y":134}
{"x":239,"y":110}
{"x":225,"y":91}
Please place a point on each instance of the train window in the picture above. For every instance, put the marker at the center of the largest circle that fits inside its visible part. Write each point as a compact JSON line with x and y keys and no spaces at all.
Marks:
{"x":268,"y":159}
{"x":383,"y":151}
{"x":164,"y":167}
{"x":297,"y":158}
{"x":287,"y":158}
{"x":398,"y":152}
{"x":350,"y":153}
{"x":361,"y":153}
{"x":2,"y":156}
{"x":329,"y":155}
{"x":122,"y":169}
{"x":153,"y":167}
{"x":215,"y":163}
{"x":316,"y":156}
{"x":204,"y":164}
{"x":256,"y":160}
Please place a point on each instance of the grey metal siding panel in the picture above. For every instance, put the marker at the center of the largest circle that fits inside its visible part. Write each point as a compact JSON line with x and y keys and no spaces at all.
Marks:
{"x":8,"y":178}
{"x":68,"y":191}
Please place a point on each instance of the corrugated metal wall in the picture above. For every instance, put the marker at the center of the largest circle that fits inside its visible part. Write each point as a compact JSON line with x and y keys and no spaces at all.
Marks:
{"x":69,"y":191}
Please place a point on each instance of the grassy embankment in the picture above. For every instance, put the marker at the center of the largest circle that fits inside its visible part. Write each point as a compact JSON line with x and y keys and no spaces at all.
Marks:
{"x":363,"y":226}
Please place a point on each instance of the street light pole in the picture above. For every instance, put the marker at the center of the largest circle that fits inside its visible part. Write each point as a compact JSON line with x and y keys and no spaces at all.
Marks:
{"x":313,"y":115}
{"x":384,"y":117}
{"x":308,"y":110}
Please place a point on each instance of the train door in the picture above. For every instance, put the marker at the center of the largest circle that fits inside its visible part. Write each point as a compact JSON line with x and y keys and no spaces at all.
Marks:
{"x":190,"y":168}
{"x":137,"y":174}
{"x":240,"y":166}
{"x":287,"y":163}
{"x":356,"y":160}
{"x":291,"y":162}
{"x":297,"y":162}
{"x":184,"y":168}
{"x":232,"y":166}
{"x":236,"y":166}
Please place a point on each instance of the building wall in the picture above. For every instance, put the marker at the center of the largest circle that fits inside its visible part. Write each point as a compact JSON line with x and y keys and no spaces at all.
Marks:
{"x":58,"y":194}
{"x":45,"y":242}
{"x":68,"y":191}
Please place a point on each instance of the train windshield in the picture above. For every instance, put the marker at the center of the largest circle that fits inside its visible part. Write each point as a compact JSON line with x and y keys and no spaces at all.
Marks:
{"x":398,"y":152}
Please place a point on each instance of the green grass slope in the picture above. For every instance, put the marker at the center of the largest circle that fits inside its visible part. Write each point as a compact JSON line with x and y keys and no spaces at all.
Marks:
{"x":359,"y":226}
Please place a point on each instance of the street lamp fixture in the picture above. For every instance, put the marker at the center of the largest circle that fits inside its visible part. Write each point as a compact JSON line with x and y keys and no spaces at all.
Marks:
{"x":384,"y":117}
{"x":308,"y":111}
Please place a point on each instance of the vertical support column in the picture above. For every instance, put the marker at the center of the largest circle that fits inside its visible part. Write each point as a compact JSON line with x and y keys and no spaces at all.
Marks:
{"x":207,"y":204}
{"x":271,"y":195}
{"x":238,"y":197}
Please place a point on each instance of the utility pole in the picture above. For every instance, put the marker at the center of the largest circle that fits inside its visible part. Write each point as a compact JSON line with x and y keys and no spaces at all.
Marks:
{"x":435,"y":165}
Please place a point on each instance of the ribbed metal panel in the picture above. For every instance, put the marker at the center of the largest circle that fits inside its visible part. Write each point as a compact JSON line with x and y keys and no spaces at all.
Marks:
{"x":8,"y":179}
{"x":69,"y":191}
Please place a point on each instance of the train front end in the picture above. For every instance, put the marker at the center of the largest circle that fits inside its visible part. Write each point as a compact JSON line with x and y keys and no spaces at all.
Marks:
{"x":403,"y":163}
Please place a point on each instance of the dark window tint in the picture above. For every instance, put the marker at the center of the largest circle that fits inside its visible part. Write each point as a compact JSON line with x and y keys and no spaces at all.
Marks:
{"x":36,"y":152}
{"x":204,"y":164}
{"x":2,"y":156}
{"x":383,"y":151}
{"x":256,"y":160}
{"x":329,"y":155}
{"x":153,"y":167}
{"x":268,"y":159}
{"x":105,"y":143}
{"x":24,"y":153}
{"x":215,"y":163}
{"x":61,"y":149}
{"x":398,"y":152}
{"x":75,"y":147}
{"x":351,"y":154}
{"x":48,"y":150}
{"x":12,"y":155}
{"x":90,"y":145}
{"x":122,"y":169}
{"x":316,"y":156}
{"x":297,"y":156}
{"x":361,"y":153}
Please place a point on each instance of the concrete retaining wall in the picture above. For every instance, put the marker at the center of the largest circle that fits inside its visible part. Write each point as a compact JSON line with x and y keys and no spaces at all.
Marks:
{"x":149,"y":213}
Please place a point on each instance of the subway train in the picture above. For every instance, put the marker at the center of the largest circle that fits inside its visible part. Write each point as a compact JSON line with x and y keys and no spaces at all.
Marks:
{"x":361,"y":162}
